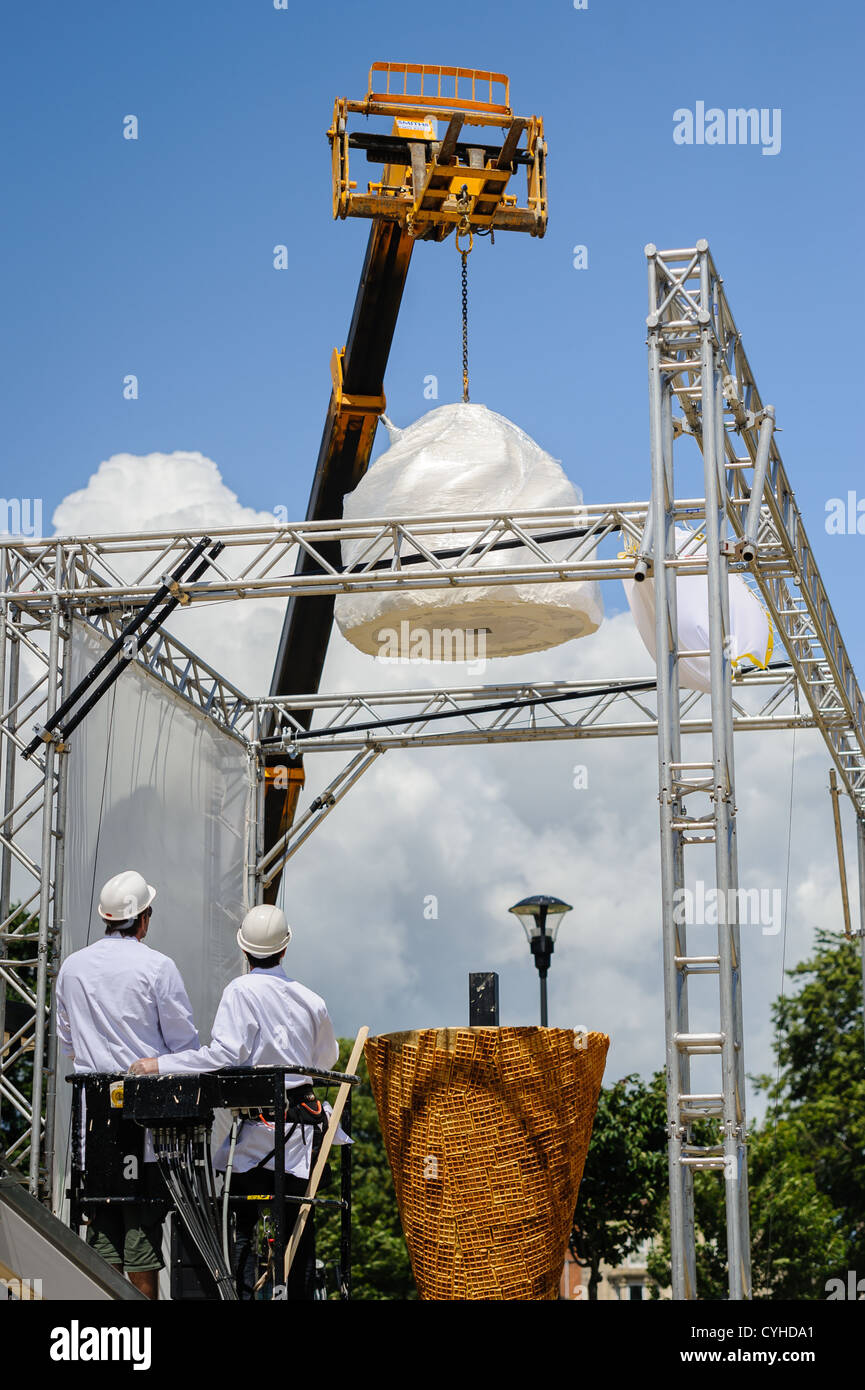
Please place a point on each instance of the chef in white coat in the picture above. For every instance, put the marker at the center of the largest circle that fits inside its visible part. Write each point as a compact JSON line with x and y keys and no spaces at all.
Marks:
{"x":115,"y":999}
{"x":264,"y":1019}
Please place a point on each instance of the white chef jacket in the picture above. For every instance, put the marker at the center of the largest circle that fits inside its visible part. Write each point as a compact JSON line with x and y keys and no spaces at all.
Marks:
{"x":264,"y":1019}
{"x":118,"y":1000}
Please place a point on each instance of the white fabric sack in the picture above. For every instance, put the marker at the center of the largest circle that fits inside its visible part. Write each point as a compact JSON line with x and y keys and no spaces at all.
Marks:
{"x":456,"y":459}
{"x":750,"y":634}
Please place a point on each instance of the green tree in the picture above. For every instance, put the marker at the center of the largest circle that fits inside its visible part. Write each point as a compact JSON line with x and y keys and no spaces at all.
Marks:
{"x":819,"y":1047}
{"x":380,"y":1262}
{"x":625,"y":1179}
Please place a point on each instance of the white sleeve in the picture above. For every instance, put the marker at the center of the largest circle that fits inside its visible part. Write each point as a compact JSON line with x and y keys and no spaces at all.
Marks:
{"x":326,"y":1048}
{"x":231,"y":1041}
{"x":176,"y":1023}
{"x":64,"y":1032}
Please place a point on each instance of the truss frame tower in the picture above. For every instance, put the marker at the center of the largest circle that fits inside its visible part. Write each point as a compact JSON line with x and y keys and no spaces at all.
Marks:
{"x":700,"y":384}
{"x":684,"y":335}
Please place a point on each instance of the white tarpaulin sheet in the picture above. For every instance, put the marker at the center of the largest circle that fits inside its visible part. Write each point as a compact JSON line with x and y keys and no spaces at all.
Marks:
{"x":154,"y":786}
{"x":750,"y":636}
{"x":459,"y":459}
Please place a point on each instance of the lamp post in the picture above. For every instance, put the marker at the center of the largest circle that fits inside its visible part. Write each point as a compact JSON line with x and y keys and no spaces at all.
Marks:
{"x":541,"y":918}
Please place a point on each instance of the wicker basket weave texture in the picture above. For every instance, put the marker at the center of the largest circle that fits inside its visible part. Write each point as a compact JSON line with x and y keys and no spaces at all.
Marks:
{"x":486,"y":1131}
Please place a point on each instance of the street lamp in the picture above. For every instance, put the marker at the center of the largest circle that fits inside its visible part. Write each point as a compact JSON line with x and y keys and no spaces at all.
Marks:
{"x":541,"y":918}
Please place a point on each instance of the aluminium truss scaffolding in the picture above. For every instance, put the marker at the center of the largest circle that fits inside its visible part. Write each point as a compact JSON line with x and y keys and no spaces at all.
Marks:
{"x":696,"y":363}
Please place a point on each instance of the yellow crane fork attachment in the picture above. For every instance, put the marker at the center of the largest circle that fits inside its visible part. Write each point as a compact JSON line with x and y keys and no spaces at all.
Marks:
{"x":429,"y":185}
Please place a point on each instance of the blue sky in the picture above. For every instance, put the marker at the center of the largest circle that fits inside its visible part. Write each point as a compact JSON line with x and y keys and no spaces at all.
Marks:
{"x":155,"y":256}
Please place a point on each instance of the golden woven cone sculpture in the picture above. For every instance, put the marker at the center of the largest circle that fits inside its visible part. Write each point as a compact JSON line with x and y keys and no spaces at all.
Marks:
{"x":487,"y":1131}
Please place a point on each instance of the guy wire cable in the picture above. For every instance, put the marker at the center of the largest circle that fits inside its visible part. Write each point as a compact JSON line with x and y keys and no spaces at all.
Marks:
{"x":101,"y":813}
{"x":93,"y":881}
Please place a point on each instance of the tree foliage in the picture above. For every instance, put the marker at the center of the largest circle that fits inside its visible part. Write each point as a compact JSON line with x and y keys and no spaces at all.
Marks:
{"x":820,"y":1091}
{"x":625,"y":1178}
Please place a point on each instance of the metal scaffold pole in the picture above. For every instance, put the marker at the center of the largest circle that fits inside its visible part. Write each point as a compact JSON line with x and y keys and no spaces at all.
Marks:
{"x":662,"y":526}
{"x":46,"y":904}
{"x":723,"y":795}
{"x":10,"y":644}
{"x":52,"y":964}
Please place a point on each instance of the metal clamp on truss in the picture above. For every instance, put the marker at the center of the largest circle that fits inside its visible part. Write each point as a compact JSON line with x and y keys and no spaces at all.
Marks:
{"x":182,"y":596}
{"x":46,"y":735}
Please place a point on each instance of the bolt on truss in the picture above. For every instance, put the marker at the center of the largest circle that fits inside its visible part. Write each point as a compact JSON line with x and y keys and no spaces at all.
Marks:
{"x":697,"y":367}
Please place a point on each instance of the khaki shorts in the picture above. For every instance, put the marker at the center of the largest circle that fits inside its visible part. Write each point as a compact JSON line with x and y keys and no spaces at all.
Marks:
{"x":128,"y":1235}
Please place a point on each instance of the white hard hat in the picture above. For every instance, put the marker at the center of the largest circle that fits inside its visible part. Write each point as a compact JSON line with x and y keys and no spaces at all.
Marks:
{"x":264,"y":931}
{"x":124,"y":896}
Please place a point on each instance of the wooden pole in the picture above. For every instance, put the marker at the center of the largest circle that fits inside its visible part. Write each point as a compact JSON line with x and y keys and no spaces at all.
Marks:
{"x":842,"y":868}
{"x":326,"y":1145}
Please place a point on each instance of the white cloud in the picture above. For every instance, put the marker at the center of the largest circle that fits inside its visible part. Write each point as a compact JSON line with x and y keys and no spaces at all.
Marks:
{"x":153,"y":492}
{"x":480,"y":827}
{"x":177,"y":492}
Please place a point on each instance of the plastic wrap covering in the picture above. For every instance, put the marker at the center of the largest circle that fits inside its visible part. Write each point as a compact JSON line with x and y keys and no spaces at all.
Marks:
{"x":462,"y":459}
{"x":156,"y":787}
{"x":487,"y":1131}
{"x":750,"y":629}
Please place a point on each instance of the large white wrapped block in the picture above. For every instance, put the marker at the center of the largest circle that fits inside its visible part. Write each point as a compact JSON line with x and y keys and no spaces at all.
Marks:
{"x":464,"y":458}
{"x":750,"y":633}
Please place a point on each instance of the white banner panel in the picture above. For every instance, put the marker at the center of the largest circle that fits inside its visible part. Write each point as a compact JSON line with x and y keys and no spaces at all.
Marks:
{"x":154,"y":786}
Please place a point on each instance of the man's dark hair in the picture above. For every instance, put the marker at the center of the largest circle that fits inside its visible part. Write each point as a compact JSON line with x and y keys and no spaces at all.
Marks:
{"x":264,"y":962}
{"x":127,"y":928}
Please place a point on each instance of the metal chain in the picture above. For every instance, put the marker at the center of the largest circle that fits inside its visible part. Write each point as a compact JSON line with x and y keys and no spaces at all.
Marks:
{"x":463,"y":232}
{"x":465,"y":293}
